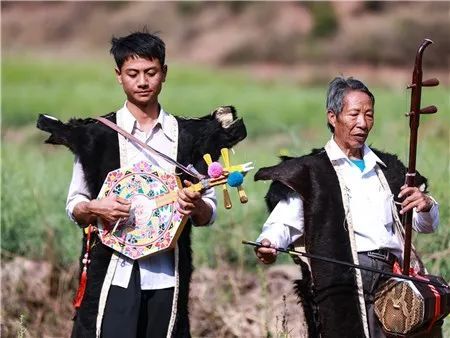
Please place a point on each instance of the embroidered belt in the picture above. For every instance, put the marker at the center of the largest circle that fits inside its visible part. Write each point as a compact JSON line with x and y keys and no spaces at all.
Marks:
{"x":382,"y":254}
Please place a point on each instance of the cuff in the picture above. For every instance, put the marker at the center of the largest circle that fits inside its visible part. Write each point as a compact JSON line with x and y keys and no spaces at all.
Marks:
{"x":71,"y":205}
{"x":276,"y":233}
{"x":213,"y":206}
{"x":427,"y":221}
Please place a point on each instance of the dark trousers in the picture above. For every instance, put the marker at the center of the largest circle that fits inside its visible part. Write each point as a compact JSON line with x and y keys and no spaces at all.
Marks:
{"x":133,"y":312}
{"x":371,"y":281}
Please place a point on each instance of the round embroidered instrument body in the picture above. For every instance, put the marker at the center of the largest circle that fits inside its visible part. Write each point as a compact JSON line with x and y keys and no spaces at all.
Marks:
{"x":154,"y":224}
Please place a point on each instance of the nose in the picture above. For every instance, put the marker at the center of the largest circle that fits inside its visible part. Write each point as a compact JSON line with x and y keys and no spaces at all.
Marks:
{"x":142,"y":81}
{"x":362,"y":122}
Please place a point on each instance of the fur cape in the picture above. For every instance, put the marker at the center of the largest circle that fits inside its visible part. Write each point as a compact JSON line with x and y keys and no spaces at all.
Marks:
{"x":329,"y":292}
{"x":98,"y":149}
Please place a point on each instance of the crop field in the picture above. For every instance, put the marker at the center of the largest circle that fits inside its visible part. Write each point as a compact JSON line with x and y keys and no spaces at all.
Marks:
{"x":281,"y":118}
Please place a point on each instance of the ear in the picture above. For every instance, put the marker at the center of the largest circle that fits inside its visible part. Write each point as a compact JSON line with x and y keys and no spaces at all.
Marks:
{"x":118,"y":75}
{"x":331,"y":116}
{"x":164,"y":71}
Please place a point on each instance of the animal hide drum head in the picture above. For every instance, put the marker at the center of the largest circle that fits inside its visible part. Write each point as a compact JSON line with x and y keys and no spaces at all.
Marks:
{"x":154,"y":224}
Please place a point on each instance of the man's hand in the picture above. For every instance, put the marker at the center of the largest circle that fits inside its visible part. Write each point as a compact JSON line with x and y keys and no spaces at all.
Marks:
{"x":190,"y":203}
{"x":414,"y":199}
{"x":266,"y":254}
{"x":110,"y":209}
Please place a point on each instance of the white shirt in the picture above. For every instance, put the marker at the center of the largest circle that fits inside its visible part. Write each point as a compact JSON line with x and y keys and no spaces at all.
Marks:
{"x":370,"y":208}
{"x":158,"y":271}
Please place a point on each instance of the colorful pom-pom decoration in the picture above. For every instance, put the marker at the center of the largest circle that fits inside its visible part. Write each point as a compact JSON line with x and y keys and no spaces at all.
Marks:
{"x":235,"y":179}
{"x":215,"y":170}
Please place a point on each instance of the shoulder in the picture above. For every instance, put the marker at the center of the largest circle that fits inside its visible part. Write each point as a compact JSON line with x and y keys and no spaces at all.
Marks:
{"x":221,"y":128}
{"x":74,"y":133}
{"x":388,"y":158}
{"x":395,"y":171}
{"x":223,"y":119}
{"x":291,"y":174}
{"x":291,"y":166}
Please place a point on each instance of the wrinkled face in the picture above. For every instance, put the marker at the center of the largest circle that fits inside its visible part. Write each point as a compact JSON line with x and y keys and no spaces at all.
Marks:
{"x":142,"y":79}
{"x":353,"y":124}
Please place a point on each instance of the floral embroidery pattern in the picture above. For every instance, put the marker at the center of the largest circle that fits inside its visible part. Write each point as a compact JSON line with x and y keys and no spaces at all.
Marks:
{"x":153,"y":223}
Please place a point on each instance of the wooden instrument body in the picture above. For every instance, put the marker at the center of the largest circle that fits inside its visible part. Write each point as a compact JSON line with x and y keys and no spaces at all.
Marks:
{"x":406,"y":307}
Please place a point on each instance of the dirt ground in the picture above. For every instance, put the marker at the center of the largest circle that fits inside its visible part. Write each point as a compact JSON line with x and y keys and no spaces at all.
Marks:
{"x":225,"y":302}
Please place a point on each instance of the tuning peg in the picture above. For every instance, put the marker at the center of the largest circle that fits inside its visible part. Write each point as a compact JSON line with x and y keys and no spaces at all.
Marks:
{"x":207,"y":158}
{"x":430,"y":82}
{"x":242,"y":195}
{"x":226,"y":197}
{"x":428,"y":110}
{"x":226,"y":157}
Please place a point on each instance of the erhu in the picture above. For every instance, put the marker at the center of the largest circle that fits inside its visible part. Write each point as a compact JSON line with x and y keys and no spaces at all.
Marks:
{"x":405,"y":307}
{"x":414,"y":117}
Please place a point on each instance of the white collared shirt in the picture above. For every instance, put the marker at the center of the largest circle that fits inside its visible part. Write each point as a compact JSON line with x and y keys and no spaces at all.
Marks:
{"x":158,"y":271}
{"x":370,"y":208}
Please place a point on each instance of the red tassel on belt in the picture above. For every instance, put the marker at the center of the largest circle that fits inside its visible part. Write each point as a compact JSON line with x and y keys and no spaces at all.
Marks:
{"x":83,"y":280}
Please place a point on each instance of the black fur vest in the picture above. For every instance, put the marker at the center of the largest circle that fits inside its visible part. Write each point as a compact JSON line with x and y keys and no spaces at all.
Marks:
{"x":98,"y":149}
{"x":330,"y":299}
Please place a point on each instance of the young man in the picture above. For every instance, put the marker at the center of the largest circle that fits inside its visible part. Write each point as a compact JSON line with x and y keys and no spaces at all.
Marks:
{"x":340,"y":201}
{"x":147,"y":297}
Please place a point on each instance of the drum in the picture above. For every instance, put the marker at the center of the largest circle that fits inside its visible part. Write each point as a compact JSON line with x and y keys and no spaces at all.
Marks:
{"x":154,"y":224}
{"x":405,"y":307}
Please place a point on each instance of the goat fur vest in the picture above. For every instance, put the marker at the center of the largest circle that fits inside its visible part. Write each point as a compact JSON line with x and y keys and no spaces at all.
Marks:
{"x":329,"y":292}
{"x":98,"y":149}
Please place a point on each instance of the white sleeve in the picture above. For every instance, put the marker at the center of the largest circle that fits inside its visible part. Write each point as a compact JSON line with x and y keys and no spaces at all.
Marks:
{"x":426,"y":222}
{"x":78,"y":190}
{"x":285,"y":223}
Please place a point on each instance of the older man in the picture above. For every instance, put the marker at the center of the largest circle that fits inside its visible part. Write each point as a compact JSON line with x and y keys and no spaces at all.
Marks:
{"x":340,"y":201}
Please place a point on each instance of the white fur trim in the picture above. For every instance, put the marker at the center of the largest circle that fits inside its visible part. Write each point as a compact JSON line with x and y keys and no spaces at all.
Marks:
{"x":346,"y":201}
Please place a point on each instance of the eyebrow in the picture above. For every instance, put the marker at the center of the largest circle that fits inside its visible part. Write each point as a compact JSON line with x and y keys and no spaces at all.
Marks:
{"x":138,"y":70}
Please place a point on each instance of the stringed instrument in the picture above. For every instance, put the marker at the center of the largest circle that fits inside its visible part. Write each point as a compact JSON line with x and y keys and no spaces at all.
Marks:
{"x":155,"y":223}
{"x":405,"y":307}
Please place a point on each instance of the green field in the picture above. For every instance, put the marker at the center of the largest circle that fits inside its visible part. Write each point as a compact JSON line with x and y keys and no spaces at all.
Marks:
{"x":280,"y":117}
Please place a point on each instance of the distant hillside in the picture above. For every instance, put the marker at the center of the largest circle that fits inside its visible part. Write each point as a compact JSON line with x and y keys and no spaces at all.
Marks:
{"x":237,"y":32}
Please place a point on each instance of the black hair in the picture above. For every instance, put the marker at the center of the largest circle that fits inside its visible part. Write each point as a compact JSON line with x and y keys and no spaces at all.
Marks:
{"x":337,"y":90}
{"x":142,"y":44}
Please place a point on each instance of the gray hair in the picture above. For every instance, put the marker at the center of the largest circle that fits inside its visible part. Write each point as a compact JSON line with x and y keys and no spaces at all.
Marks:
{"x":337,"y":90}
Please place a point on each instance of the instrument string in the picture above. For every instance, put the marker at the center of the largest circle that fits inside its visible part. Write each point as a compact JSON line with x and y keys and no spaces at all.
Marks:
{"x":147,"y":147}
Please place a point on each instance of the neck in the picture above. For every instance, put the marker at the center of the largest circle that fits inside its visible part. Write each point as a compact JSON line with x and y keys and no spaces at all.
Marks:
{"x":146,"y":116}
{"x":354,"y":154}
{"x":351,"y":153}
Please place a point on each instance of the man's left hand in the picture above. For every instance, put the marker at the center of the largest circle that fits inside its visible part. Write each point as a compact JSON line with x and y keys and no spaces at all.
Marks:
{"x":190,"y":203}
{"x":414,"y":199}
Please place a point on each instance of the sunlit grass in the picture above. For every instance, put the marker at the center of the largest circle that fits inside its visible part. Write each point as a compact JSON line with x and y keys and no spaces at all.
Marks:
{"x":279,"y":118}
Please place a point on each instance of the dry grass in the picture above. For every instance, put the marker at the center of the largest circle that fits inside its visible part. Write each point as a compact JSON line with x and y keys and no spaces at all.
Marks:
{"x":225,"y":302}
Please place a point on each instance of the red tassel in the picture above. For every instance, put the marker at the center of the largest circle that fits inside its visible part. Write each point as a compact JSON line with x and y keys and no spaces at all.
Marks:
{"x":83,"y":280}
{"x":81,"y":288}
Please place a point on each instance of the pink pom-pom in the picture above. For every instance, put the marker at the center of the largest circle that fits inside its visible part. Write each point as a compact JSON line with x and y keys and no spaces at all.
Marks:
{"x":215,"y":170}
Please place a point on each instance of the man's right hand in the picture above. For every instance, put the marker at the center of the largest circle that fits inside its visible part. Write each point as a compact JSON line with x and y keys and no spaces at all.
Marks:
{"x":110,"y":209}
{"x":266,"y":253}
